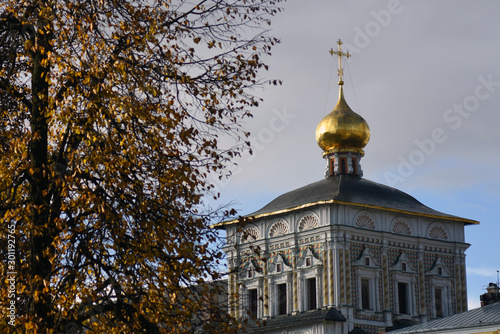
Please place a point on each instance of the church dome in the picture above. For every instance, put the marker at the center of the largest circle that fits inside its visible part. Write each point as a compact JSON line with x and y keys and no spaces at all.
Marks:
{"x":342,"y":129}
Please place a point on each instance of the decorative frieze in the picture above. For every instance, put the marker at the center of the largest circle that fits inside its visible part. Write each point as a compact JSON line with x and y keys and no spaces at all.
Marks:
{"x":365,"y":239}
{"x":311,"y":239}
{"x":280,"y":245}
{"x":402,"y":244}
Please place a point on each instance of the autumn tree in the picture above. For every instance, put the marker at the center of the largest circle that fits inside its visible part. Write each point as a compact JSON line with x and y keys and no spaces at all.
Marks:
{"x":111,"y":114}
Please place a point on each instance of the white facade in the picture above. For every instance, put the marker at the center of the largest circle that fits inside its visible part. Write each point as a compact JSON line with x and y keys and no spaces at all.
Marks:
{"x":345,"y":254}
{"x":375,"y":266}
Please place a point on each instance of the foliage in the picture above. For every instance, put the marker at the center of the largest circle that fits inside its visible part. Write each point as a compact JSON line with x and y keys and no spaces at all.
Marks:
{"x":110,"y":117}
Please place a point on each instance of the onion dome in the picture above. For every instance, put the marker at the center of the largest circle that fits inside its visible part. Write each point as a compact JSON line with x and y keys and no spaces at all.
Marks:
{"x":342,"y":129}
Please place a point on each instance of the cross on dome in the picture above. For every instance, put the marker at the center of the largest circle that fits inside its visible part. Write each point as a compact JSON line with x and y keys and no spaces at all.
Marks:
{"x":339,"y":53}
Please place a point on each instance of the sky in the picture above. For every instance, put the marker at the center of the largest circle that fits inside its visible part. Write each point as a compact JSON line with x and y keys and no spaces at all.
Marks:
{"x":424,"y":74}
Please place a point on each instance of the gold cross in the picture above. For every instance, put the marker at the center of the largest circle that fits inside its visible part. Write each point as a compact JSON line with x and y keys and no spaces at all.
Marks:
{"x":339,"y":53}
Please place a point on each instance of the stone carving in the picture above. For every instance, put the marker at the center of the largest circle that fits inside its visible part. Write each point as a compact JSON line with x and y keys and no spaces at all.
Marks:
{"x":401,"y":228}
{"x":278,"y":228}
{"x":250,"y":234}
{"x":364,"y":221}
{"x":437,"y":232}
{"x":308,"y":222}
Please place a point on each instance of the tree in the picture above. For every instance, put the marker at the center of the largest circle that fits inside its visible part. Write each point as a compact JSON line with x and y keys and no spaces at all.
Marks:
{"x":110,"y":117}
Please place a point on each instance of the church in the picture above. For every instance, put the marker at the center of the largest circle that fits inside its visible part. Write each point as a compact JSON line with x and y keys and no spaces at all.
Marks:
{"x":345,"y":254}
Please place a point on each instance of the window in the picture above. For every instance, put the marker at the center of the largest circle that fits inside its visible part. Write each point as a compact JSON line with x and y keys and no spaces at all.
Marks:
{"x":438,"y":302}
{"x":354,"y":166}
{"x":308,"y":261}
{"x":311,"y":298}
{"x":403,"y":298}
{"x":440,"y":296}
{"x":252,"y":301}
{"x":278,"y":267}
{"x":281,"y":298}
{"x":343,"y":168}
{"x":403,"y":266}
{"x":250,"y":273}
{"x":440,"y":271}
{"x":366,"y":294}
{"x":367,"y":261}
{"x":366,"y":286}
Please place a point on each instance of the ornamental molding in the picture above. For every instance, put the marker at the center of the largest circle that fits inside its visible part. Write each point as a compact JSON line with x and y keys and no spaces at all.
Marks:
{"x":308,"y":222}
{"x":249,"y":234}
{"x":366,"y":259}
{"x":401,"y":226}
{"x":280,"y":262}
{"x":364,"y":220}
{"x":252,"y":284}
{"x":279,"y":228}
{"x":404,"y":265}
{"x":253,"y":266}
{"x":308,"y":259}
{"x":437,"y":231}
{"x":439,"y":268}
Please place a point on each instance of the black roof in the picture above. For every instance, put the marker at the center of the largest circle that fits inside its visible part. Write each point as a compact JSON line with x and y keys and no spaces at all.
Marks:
{"x":351,"y":189}
{"x":474,"y":319}
{"x":330,"y":314}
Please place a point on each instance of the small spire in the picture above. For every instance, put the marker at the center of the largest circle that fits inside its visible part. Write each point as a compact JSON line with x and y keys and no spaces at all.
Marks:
{"x":339,"y":53}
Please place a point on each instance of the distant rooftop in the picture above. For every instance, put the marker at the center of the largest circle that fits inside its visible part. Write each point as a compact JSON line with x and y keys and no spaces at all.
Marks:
{"x":480,"y":320}
{"x":327,"y":314}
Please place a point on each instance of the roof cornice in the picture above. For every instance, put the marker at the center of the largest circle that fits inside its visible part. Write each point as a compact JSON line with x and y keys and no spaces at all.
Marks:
{"x":368,"y":206}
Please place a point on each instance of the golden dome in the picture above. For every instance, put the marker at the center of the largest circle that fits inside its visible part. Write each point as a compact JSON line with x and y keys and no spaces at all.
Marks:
{"x":342,"y":129}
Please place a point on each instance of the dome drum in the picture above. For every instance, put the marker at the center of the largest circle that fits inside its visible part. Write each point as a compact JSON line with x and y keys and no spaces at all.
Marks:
{"x":343,"y":162}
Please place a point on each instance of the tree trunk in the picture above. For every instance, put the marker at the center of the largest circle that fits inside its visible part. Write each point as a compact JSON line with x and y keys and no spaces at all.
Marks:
{"x":40,"y":237}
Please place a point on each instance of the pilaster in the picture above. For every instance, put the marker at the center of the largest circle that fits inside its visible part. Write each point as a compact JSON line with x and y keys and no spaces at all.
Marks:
{"x":385,"y":277}
{"x":326,"y":266}
{"x":266,"y":298}
{"x":422,"y":308}
{"x":295,"y":283}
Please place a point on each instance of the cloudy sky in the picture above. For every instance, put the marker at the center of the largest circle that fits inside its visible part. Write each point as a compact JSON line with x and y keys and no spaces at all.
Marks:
{"x":425,"y":75}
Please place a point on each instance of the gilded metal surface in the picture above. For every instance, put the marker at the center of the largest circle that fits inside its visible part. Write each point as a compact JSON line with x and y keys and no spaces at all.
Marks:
{"x":340,"y":54}
{"x":342,"y":128}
